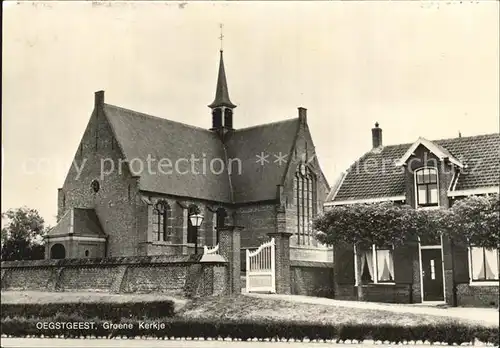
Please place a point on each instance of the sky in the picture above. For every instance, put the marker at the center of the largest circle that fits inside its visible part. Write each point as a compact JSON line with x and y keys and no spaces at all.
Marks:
{"x":418,"y":68}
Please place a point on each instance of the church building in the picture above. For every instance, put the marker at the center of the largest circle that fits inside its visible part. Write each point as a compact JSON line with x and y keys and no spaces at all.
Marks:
{"x":136,"y":179}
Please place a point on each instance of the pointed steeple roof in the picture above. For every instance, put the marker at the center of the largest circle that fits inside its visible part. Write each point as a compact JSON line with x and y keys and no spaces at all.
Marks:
{"x":221,"y":93}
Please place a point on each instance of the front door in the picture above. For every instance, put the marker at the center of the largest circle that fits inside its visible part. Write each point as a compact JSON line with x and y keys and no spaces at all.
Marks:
{"x":432,"y":275}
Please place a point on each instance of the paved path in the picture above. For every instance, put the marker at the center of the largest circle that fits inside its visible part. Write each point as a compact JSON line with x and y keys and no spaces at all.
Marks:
{"x":484,"y":315}
{"x":104,"y":343}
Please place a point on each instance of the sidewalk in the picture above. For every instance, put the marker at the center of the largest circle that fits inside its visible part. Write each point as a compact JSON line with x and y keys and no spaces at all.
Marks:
{"x":481,"y":315}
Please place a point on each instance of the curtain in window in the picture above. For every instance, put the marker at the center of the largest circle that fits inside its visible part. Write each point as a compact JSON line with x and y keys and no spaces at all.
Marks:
{"x":385,"y":265}
{"x":477,"y":261}
{"x":369,"y":261}
{"x":491,"y":264}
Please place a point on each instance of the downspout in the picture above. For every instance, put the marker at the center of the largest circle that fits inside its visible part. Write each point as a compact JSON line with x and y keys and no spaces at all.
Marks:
{"x":453,"y":282}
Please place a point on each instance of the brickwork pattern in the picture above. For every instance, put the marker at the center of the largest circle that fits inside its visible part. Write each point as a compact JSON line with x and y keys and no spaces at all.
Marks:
{"x":87,"y":278}
{"x":116,"y":202}
{"x":27,"y":279}
{"x":229,"y":249}
{"x":258,"y":220}
{"x":399,"y":293}
{"x":477,"y":296}
{"x":179,"y":278}
{"x":282,"y":255}
{"x":303,"y":149}
{"x":311,"y":281}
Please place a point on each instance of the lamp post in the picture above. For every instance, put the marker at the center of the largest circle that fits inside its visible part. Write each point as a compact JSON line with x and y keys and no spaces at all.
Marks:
{"x":196,"y":220}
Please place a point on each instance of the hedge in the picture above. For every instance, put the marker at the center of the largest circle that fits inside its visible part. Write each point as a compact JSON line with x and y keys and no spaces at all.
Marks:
{"x":103,"y":310}
{"x":247,"y":330}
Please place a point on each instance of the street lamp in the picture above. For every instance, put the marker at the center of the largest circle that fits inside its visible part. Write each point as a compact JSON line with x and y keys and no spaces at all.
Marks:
{"x":196,"y":220}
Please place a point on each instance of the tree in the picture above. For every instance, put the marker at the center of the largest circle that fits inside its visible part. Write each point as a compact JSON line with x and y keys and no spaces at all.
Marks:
{"x":475,"y":220}
{"x":472,"y":220}
{"x":23,"y":235}
{"x":365,"y":224}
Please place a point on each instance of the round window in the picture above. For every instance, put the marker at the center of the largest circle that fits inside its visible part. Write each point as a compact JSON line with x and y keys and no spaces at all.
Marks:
{"x":95,"y":186}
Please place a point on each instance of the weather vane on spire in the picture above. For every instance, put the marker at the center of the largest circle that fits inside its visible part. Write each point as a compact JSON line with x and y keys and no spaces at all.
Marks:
{"x":221,"y":37}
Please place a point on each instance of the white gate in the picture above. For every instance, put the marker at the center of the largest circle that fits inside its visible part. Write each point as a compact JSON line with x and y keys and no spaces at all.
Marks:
{"x":260,"y":268}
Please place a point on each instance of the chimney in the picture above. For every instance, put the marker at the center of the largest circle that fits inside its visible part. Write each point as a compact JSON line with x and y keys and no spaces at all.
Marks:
{"x":99,"y":99}
{"x":302,"y":115}
{"x":377,"y":136}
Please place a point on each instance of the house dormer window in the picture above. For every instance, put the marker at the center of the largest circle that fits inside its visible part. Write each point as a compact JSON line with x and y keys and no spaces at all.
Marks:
{"x":305,"y":197}
{"x":426,"y":182}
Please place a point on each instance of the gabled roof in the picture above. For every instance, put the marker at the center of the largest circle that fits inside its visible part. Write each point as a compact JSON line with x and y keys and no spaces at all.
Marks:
{"x":80,"y":222}
{"x":259,"y":182}
{"x":364,"y":180}
{"x":140,"y":135}
{"x":439,"y":151}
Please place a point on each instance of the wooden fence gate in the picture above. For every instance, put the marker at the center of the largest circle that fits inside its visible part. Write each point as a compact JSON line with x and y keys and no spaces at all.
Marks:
{"x":261,"y":270}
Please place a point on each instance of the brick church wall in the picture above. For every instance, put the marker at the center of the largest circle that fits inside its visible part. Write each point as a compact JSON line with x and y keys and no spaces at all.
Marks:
{"x":178,"y":243}
{"x":258,"y":220}
{"x":117,"y":203}
{"x":303,"y":150}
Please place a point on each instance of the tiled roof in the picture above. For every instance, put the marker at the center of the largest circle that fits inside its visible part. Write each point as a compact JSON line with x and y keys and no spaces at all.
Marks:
{"x":87,"y":220}
{"x":375,"y":174}
{"x":79,"y":222}
{"x":140,"y":135}
{"x":259,"y":182}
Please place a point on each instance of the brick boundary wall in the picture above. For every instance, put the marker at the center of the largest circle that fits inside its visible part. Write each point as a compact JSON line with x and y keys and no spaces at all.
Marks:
{"x":311,"y":278}
{"x":182,"y":276}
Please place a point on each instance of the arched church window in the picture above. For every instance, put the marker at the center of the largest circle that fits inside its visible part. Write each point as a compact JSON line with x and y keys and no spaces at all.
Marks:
{"x":162,"y":222}
{"x":191,"y":232}
{"x":305,"y":201}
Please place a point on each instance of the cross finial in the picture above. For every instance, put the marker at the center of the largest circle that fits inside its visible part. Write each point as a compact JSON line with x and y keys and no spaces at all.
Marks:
{"x":221,"y":37}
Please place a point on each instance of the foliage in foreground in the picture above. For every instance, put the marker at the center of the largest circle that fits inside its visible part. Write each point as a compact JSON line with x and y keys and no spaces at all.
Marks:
{"x":22,"y":235}
{"x":247,"y":330}
{"x":103,"y":310}
{"x":474,"y":220}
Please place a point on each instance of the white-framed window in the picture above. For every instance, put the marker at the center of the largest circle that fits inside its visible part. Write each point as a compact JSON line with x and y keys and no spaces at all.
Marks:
{"x":483,"y":265}
{"x":305,"y":199}
{"x":162,"y":222}
{"x":377,"y":265}
{"x":426,"y":187}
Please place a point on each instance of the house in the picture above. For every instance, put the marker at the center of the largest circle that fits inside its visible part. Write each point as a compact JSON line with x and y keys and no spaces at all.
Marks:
{"x":136,"y":179}
{"x":425,"y":175}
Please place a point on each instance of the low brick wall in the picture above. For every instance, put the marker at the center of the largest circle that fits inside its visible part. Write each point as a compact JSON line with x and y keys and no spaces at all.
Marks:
{"x":477,"y":296}
{"x":399,"y":293}
{"x":174,"y":275}
{"x":311,"y":278}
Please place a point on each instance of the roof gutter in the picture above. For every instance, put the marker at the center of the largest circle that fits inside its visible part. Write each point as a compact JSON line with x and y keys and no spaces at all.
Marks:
{"x":476,"y":191}
{"x":368,"y":200}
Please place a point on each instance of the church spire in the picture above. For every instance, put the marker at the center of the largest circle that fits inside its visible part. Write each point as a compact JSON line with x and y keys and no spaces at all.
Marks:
{"x":221,"y":92}
{"x":222,"y":107}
